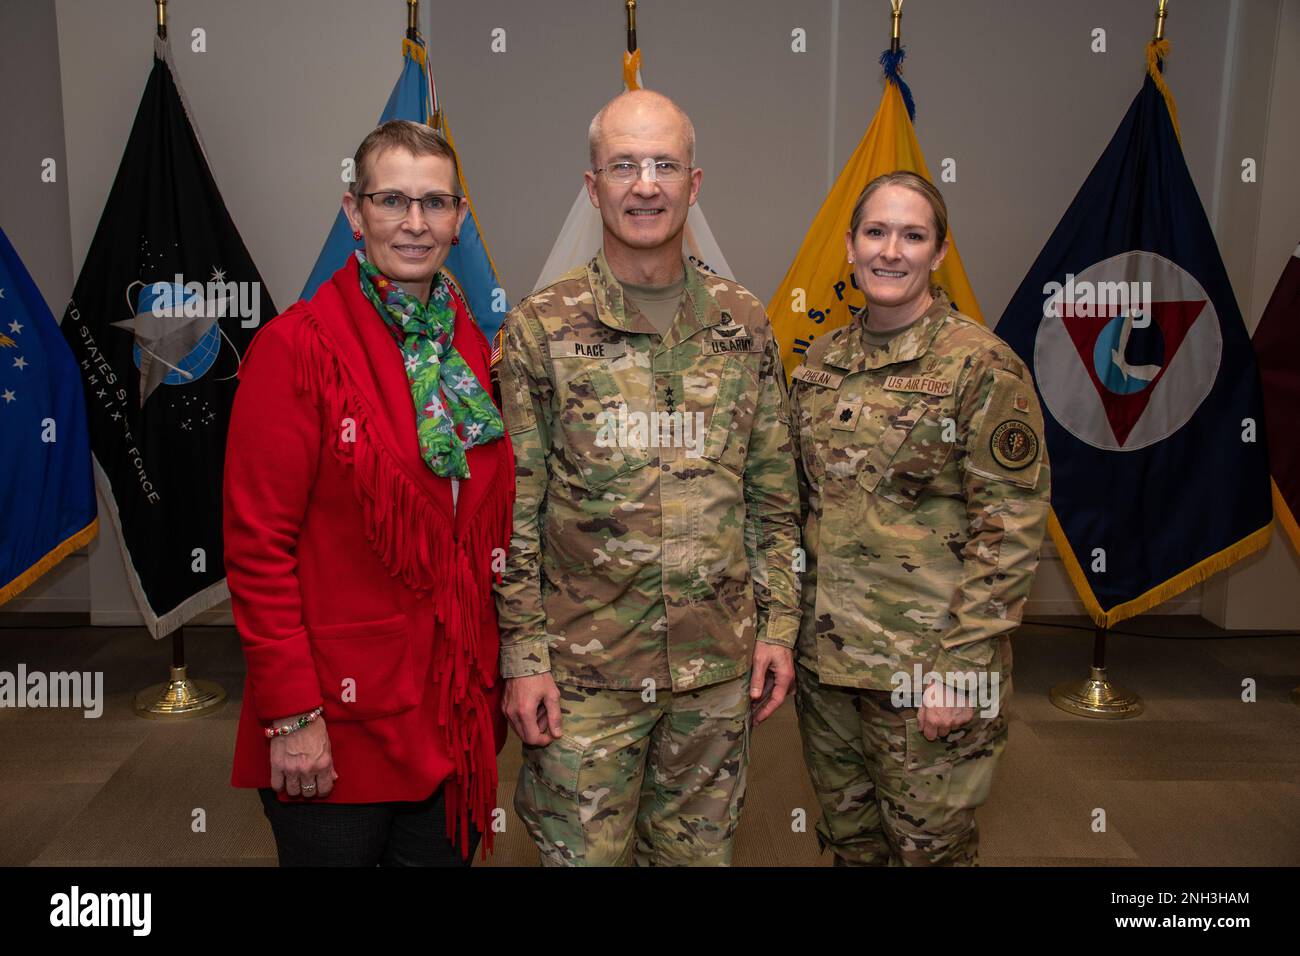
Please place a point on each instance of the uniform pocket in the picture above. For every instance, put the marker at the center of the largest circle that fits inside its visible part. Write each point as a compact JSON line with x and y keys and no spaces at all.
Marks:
{"x":908,"y":455}
{"x":920,"y":456}
{"x":592,"y":409}
{"x":364,"y":668}
{"x":732,"y":418}
{"x":556,"y":767}
{"x":956,"y":770}
{"x":879,"y":440}
{"x":923,"y":754}
{"x":546,"y":799}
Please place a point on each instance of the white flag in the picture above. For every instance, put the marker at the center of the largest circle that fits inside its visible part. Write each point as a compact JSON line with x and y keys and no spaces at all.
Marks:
{"x":580,"y":236}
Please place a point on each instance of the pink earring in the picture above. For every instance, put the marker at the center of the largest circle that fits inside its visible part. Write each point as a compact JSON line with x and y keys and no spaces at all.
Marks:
{"x":356,"y":234}
{"x":455,"y":240}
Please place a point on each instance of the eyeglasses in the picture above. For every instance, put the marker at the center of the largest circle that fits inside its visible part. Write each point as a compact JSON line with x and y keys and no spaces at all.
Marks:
{"x":395,"y":205}
{"x":660,"y":170}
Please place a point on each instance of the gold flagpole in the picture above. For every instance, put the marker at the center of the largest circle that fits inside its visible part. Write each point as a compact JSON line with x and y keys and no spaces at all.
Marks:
{"x":631,"y":26}
{"x":895,"y":18}
{"x":413,"y":34}
{"x":1097,"y":696}
{"x":178,"y":696}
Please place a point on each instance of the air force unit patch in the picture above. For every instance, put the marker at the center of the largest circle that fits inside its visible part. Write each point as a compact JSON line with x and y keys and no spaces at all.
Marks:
{"x":1014,"y":445}
{"x":1009,"y":446}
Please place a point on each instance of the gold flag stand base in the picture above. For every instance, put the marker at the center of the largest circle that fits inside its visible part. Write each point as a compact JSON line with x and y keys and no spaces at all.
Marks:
{"x":1096,"y":697}
{"x":178,"y":697}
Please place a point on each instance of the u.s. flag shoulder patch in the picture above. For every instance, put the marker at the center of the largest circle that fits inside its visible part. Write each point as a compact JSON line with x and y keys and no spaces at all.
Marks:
{"x":496,"y":350}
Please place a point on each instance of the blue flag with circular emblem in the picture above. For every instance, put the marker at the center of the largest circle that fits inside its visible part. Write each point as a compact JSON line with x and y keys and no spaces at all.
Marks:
{"x":1151,"y":396}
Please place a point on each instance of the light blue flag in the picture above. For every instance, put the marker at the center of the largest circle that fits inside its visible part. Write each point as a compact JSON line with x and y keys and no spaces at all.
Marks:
{"x":470,"y":263}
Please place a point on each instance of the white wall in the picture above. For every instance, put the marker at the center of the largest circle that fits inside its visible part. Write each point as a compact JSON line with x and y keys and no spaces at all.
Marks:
{"x":34,"y":215}
{"x":1261,"y":591}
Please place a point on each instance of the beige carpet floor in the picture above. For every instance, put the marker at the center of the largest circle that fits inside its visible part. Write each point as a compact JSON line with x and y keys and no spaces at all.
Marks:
{"x":1200,"y":779}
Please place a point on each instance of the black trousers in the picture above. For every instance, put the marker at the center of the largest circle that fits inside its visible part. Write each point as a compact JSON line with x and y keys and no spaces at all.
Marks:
{"x":364,"y":834}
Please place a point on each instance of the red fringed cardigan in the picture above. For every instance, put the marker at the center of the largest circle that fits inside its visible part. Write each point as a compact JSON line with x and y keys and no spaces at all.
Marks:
{"x":352,"y":584}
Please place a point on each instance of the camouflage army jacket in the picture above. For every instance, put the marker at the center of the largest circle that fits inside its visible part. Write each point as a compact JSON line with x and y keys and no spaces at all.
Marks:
{"x":657,"y":506}
{"x":925,"y":485}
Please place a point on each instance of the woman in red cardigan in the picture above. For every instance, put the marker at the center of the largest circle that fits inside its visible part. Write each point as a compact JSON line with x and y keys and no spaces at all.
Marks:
{"x":368,"y":484}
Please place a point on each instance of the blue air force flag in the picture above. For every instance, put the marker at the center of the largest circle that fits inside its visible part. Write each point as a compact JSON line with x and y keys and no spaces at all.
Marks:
{"x":1151,"y":396}
{"x":415,"y":98}
{"x":47,"y":494}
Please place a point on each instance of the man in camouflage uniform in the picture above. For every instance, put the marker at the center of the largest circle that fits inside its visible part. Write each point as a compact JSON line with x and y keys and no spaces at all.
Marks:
{"x":649,"y":592}
{"x":926,"y":488}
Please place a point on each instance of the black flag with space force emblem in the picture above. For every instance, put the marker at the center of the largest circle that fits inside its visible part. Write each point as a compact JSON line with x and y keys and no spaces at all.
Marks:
{"x":166,"y":303}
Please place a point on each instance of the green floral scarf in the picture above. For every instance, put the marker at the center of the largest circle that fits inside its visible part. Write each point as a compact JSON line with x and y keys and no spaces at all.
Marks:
{"x":448,"y":396}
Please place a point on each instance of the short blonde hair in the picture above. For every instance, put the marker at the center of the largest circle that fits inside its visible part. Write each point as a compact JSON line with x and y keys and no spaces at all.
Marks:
{"x":416,"y":138}
{"x":918,"y":184}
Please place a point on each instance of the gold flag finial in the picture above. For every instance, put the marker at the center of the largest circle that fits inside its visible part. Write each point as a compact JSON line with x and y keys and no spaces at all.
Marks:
{"x":895,"y":16}
{"x":631,"y":25}
{"x":161,"y":6}
{"x":1160,"y":20}
{"x":412,"y":18}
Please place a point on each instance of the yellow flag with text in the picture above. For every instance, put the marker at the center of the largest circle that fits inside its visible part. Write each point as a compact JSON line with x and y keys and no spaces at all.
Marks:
{"x":819,"y":293}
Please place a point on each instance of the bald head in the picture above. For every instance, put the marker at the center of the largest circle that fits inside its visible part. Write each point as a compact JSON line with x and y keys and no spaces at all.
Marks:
{"x":640,"y":112}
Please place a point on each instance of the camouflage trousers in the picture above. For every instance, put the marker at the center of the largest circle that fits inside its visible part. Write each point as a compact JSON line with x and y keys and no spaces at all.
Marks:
{"x":658,"y":783}
{"x":888,"y":796}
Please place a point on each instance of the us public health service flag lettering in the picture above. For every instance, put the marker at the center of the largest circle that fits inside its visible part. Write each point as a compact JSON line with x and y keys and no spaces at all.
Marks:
{"x":819,"y":292}
{"x":47,"y":496}
{"x":166,"y":303}
{"x":1150,"y":392}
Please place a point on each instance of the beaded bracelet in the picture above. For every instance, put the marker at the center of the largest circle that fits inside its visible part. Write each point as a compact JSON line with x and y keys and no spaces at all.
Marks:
{"x":298,"y":724}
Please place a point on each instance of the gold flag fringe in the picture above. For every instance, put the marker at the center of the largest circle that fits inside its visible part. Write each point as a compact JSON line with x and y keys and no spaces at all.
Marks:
{"x":1180,"y":582}
{"x":49,"y":560}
